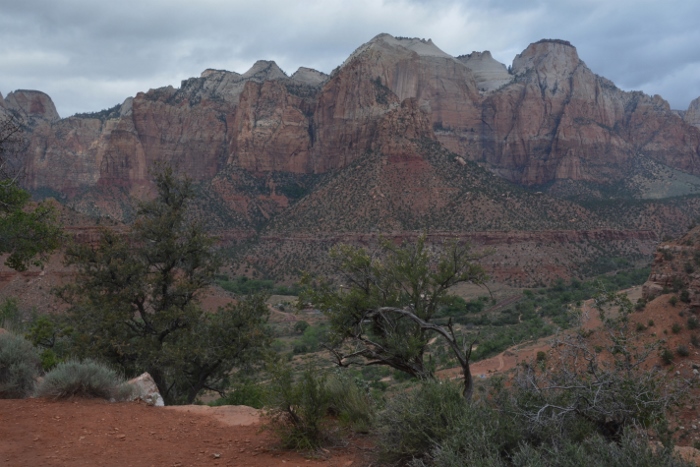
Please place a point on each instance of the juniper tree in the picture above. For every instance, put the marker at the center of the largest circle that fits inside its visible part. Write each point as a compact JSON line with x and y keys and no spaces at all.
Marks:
{"x":136,"y":300}
{"x":382,"y":307}
{"x":27,"y":232}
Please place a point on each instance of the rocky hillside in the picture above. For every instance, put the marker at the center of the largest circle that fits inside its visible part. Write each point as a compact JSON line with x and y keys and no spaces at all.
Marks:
{"x":400,"y":138}
{"x":676,"y":268}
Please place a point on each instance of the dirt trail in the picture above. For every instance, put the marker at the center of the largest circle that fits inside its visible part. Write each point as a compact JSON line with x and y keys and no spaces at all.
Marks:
{"x":80,"y":432}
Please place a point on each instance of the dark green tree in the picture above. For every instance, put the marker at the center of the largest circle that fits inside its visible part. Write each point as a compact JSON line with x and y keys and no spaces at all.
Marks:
{"x":136,"y":300}
{"x":382,"y":306}
{"x":27,"y":232}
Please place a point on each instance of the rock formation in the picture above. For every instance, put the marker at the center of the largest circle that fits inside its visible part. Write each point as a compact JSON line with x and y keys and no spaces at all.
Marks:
{"x":401,"y":136}
{"x":692,"y":115}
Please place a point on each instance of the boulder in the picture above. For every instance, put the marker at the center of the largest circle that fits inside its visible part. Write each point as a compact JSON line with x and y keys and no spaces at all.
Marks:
{"x":145,"y":389}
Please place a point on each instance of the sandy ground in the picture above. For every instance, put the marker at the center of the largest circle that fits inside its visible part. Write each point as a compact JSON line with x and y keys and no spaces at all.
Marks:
{"x":38,"y":432}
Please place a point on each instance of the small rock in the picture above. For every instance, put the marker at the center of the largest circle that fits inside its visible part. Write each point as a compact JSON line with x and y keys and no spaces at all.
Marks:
{"x":216,"y":455}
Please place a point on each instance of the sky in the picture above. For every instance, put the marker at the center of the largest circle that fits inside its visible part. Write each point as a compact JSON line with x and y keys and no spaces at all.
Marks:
{"x":89,"y":55}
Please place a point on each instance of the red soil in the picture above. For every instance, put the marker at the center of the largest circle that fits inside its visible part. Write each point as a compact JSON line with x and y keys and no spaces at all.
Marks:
{"x":38,"y":432}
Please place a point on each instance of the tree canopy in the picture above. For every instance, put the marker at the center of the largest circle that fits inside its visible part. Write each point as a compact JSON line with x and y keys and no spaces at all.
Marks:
{"x":382,"y":306}
{"x":27,"y":232}
{"x":136,"y":300}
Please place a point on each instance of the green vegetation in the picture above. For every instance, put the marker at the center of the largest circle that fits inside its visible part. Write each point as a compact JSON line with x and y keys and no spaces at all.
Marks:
{"x":27,"y":233}
{"x":19,"y":366}
{"x":135,"y":302}
{"x":383,"y":310}
{"x":83,"y":379}
{"x":243,"y":285}
{"x":298,"y":407}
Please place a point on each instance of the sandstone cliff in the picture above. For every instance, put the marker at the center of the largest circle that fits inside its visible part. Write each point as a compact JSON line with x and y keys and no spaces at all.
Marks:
{"x":549,"y":119}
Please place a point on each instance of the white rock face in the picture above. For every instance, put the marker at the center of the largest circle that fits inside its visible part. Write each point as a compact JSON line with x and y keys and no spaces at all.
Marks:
{"x":144,"y":388}
{"x":422,"y":47}
{"x":309,"y":76}
{"x":489,"y":73}
{"x":264,"y":70}
{"x":554,"y":59}
{"x":692,"y":115}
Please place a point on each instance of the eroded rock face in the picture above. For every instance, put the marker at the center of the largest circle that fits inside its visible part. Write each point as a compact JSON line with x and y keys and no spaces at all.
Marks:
{"x":31,"y":105}
{"x":692,"y":115}
{"x":549,"y":119}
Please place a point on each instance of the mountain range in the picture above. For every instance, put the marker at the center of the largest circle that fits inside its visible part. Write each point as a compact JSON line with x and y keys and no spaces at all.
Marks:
{"x":550,"y":167}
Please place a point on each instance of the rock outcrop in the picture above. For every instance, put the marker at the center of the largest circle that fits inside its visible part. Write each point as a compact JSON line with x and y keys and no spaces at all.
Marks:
{"x":30,"y":106}
{"x":400,"y":137}
{"x":548,"y":119}
{"x":692,"y":115}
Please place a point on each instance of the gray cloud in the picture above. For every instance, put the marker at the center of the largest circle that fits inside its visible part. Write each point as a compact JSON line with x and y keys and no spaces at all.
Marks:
{"x":91,"y":55}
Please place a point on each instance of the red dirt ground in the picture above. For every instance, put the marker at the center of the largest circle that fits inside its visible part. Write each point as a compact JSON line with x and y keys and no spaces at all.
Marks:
{"x":80,"y":432}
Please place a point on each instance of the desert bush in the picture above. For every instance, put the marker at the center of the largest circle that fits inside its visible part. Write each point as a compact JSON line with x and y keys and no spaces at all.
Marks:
{"x":86,"y":378}
{"x":666,"y":356}
{"x":673,"y":300}
{"x":682,"y":351}
{"x":676,"y":328}
{"x":298,"y":407}
{"x":693,"y":323}
{"x":244,"y":393}
{"x":10,"y":315}
{"x":351,"y":401}
{"x":695,"y":340}
{"x":19,"y":366}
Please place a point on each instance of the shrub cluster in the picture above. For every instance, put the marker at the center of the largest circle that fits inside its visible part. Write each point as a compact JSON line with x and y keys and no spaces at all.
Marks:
{"x":434,"y":426}
{"x":83,"y":379}
{"x":19,"y":366}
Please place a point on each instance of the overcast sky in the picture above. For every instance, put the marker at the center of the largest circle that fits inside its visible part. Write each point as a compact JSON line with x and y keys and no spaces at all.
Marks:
{"x":91,"y":54}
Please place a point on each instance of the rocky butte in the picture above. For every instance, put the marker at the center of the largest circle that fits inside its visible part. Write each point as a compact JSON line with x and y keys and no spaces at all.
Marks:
{"x":558,"y":168}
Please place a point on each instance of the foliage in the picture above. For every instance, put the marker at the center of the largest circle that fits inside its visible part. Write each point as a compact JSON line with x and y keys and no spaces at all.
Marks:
{"x":83,"y":379}
{"x":243,"y":285}
{"x":382,"y":310}
{"x":351,"y":401}
{"x":298,"y":407}
{"x":587,"y":408}
{"x":27,"y":233}
{"x":311,"y":339}
{"x":243,"y":393}
{"x":19,"y":366}
{"x":608,"y":389}
{"x":135,"y":301}
{"x":10,"y":316}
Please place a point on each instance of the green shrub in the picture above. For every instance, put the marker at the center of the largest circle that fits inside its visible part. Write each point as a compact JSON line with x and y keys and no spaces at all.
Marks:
{"x":246,"y":393}
{"x":673,"y":300}
{"x":666,"y":356}
{"x":351,"y":402}
{"x":695,"y":340}
{"x":83,"y":379}
{"x":19,"y":366}
{"x":298,"y":407}
{"x":685,"y":296}
{"x":682,"y":351}
{"x":676,"y":328}
{"x":693,"y":323}
{"x":10,"y":315}
{"x":300,"y":327}
{"x":413,"y":422}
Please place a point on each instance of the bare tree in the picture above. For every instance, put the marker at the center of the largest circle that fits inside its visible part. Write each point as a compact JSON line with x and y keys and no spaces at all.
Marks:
{"x":612,"y":385}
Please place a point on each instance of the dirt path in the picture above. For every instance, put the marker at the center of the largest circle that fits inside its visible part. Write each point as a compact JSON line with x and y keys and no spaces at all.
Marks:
{"x":37,"y":432}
